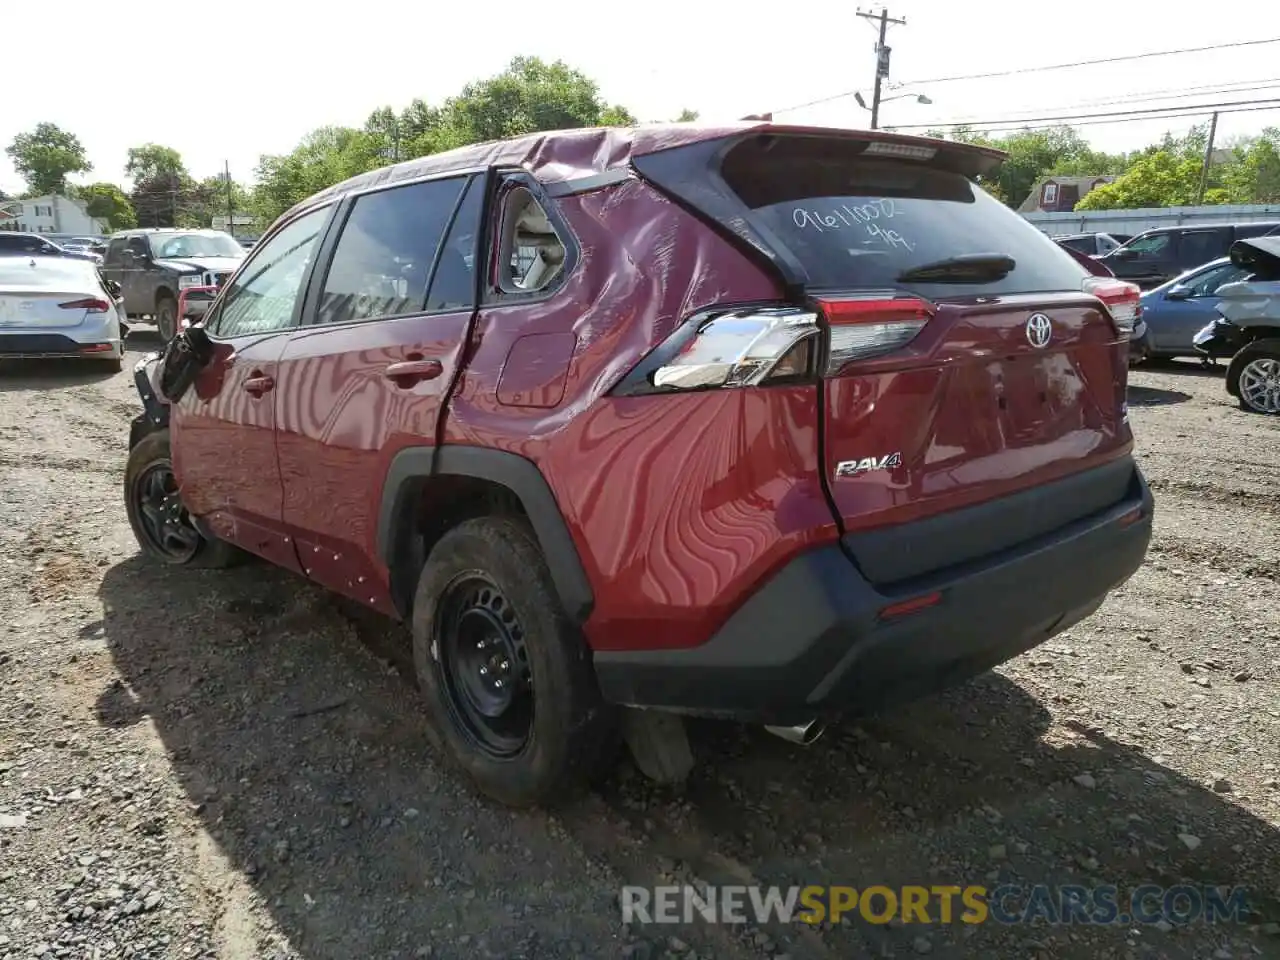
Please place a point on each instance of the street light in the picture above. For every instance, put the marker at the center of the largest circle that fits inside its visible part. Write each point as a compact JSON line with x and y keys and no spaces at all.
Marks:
{"x":919,"y":98}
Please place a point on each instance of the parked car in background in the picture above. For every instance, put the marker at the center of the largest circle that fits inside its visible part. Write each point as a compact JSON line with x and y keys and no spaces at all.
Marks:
{"x":1157,"y":256}
{"x":1176,"y":311}
{"x":1248,"y":326}
{"x":1091,"y":244}
{"x":153,"y":266}
{"x":52,"y":306}
{"x":32,"y":244}
{"x":892,"y":411}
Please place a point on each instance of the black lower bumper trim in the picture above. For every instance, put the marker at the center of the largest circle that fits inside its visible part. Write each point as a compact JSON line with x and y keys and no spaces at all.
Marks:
{"x":811,"y":641}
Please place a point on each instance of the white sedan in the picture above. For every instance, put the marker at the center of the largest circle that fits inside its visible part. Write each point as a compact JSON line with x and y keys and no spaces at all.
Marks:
{"x":59,"y":307}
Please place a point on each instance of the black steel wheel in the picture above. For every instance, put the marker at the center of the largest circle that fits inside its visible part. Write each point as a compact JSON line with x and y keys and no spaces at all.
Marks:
{"x":160,"y":521}
{"x":484,"y":665}
{"x":505,"y":676}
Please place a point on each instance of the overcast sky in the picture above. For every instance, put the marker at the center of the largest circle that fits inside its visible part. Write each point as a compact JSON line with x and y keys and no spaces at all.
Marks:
{"x":117,"y":77}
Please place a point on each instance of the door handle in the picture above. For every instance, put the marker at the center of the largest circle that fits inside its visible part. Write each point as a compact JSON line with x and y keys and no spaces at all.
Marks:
{"x":408,"y":372}
{"x":257,"y":384}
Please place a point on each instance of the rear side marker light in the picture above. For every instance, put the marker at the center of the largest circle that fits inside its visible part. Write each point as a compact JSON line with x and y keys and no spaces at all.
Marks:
{"x":96,"y":348}
{"x":1122,"y":299}
{"x":92,"y":304}
{"x":1130,"y":518}
{"x":914,"y":605}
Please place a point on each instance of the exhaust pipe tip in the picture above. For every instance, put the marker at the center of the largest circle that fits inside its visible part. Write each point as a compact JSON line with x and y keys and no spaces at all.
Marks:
{"x":804,"y":734}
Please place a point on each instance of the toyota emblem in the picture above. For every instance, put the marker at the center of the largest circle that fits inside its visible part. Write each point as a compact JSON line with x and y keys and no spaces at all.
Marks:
{"x":1039,"y":330}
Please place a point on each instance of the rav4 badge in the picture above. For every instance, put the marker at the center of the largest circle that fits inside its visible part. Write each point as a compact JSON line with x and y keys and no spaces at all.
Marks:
{"x":852,"y":468}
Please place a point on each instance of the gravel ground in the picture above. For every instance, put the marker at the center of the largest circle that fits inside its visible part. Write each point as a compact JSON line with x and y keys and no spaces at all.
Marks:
{"x":232,"y":764}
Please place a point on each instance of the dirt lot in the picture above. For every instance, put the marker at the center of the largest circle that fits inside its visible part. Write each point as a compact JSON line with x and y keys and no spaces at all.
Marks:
{"x":232,"y":764}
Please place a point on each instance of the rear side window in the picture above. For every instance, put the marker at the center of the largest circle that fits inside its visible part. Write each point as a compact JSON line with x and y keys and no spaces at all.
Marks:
{"x":383,"y":259}
{"x":852,"y":220}
{"x":532,"y":254}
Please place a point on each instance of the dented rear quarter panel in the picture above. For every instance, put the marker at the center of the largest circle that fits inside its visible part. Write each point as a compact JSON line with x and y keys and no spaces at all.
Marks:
{"x":678,"y":505}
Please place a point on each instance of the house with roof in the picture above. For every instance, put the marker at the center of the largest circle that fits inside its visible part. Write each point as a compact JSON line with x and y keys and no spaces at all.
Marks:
{"x":1059,"y":194}
{"x":50,"y":214}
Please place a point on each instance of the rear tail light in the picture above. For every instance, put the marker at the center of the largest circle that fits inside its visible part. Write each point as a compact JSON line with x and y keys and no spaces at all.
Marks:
{"x":92,"y":304}
{"x":757,"y":346}
{"x":871,"y":327}
{"x":1122,"y":299}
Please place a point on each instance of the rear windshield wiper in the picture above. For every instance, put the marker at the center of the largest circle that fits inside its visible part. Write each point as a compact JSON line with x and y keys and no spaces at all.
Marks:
{"x":966,"y":268}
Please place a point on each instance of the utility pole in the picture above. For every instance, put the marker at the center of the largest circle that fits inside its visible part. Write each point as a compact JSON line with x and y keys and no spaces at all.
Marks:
{"x":882,"y":58}
{"x":1208,"y":158}
{"x":231,"y":208}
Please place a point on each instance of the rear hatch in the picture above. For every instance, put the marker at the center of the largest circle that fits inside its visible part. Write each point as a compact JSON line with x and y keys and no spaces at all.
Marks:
{"x":968,"y":359}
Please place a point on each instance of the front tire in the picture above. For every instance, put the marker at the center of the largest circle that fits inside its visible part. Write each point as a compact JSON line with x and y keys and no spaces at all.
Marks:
{"x":506,"y":677}
{"x":1253,"y":377}
{"x":160,"y":522}
{"x":166,"y":317}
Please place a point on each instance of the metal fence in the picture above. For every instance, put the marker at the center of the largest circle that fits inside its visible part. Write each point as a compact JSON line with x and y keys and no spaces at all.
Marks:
{"x":1136,"y":221}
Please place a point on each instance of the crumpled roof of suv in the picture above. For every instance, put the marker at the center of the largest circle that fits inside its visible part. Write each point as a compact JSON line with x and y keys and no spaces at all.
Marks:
{"x":562,"y":155}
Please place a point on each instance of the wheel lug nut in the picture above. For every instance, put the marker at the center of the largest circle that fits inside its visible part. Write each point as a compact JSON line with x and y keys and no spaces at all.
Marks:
{"x":497,"y":683}
{"x":484,"y":671}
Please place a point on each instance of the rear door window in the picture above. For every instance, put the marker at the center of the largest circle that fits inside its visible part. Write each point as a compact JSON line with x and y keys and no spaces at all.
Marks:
{"x":856,"y":221}
{"x":453,"y":282}
{"x":384,"y":256}
{"x":1201,"y":246}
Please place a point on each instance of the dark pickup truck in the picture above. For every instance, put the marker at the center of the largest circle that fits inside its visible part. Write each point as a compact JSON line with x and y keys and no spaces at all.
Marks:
{"x":154,"y":266}
{"x":1159,"y":255}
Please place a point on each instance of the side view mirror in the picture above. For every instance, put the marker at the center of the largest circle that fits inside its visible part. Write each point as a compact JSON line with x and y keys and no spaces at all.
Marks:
{"x":1180,"y":292}
{"x":1124,"y":253}
{"x":114,"y":289}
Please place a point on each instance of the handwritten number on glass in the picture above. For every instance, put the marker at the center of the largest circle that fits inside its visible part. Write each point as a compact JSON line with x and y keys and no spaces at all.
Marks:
{"x":869,"y":216}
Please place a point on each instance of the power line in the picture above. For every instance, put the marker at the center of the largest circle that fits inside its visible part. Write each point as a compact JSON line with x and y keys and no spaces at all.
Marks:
{"x":1148,"y":112}
{"x":1038,"y":69}
{"x":1090,"y":63}
{"x":1149,"y":96}
{"x":1016,"y":127}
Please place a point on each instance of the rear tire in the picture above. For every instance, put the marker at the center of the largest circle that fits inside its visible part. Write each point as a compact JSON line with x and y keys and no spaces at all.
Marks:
{"x":160,"y":523}
{"x":1251,"y":370}
{"x":166,"y":317}
{"x":506,"y":677}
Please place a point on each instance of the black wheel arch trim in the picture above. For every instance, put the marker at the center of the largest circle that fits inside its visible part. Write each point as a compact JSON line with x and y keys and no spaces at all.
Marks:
{"x":519,"y":475}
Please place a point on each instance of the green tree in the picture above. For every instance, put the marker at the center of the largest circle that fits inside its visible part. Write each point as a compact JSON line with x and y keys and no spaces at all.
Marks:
{"x":687,"y":116}
{"x":1035,"y":154}
{"x":529,"y":96}
{"x":1254,"y":177}
{"x":209,"y":198}
{"x":162,"y":187}
{"x":108,"y":202}
{"x":45,"y":156}
{"x":1160,"y":179}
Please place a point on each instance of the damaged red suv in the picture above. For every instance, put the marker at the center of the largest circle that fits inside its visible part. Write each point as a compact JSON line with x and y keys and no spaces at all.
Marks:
{"x":757,"y":422}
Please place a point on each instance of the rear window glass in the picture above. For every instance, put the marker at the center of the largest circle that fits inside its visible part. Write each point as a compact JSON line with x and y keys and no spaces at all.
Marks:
{"x":48,"y":272}
{"x":856,"y":221}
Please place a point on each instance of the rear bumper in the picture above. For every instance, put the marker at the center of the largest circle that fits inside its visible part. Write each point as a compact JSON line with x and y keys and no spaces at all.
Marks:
{"x":812,"y":642}
{"x":106,"y":342}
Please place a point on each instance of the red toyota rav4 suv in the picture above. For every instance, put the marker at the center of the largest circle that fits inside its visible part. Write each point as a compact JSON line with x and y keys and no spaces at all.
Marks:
{"x":756,"y":422}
